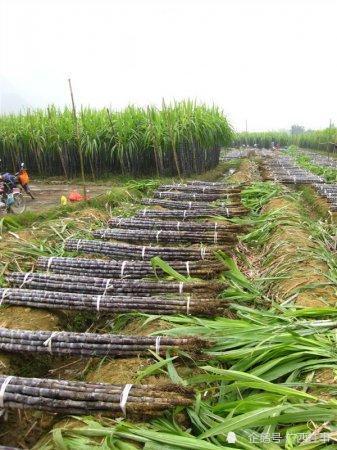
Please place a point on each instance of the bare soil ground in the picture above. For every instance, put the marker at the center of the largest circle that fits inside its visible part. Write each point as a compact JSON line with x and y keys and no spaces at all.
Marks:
{"x":49,"y":195}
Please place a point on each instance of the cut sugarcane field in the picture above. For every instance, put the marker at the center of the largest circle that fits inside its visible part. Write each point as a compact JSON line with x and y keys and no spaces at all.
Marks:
{"x":168,"y":236}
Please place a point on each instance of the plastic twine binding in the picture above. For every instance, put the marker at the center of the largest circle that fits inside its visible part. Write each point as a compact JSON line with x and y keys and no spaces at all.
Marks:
{"x":215,"y":226}
{"x":178,"y":225}
{"x":143,"y":252}
{"x":184,"y":214}
{"x":124,"y":397}
{"x":47,"y":342}
{"x":188,"y":305}
{"x":144,"y":212}
{"x":50,"y":260}
{"x":215,"y":237}
{"x":158,"y":338}
{"x":78,"y":244}
{"x":98,"y":302}
{"x":157,"y":235}
{"x":122,"y":268}
{"x":189,"y":205}
{"x":106,"y":286}
{"x":25,"y":279}
{"x":3,"y":389}
{"x":181,"y":287}
{"x":4,"y":295}
{"x":188,"y":268}
{"x":227,"y":212}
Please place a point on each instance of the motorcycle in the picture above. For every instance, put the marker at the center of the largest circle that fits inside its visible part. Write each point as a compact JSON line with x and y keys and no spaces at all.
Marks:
{"x":11,"y":198}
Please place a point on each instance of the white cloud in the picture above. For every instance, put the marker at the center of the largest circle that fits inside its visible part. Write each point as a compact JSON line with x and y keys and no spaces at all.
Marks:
{"x":271,"y":62}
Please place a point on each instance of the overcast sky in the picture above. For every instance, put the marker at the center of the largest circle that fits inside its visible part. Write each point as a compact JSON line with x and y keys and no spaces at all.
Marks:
{"x":272,"y":62}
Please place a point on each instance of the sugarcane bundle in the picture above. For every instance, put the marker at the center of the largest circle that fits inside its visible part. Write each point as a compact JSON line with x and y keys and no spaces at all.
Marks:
{"x":166,"y":236}
{"x":76,"y":397}
{"x":126,"y":268}
{"x":125,"y":251}
{"x":208,"y":183}
{"x":104,"y":286}
{"x":195,"y":196}
{"x":221,"y":208}
{"x":203,"y":188}
{"x":92,"y":344}
{"x":189,"y":214}
{"x":158,"y":304}
{"x":152,"y":224}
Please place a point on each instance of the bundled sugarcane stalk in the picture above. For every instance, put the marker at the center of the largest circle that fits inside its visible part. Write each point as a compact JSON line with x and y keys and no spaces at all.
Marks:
{"x":125,"y":251}
{"x":218,"y":184}
{"x":221,"y":208}
{"x":106,"y":304}
{"x":152,"y":224}
{"x":203,"y":188}
{"x":93,"y":345}
{"x":105,"y":286}
{"x":75,"y":397}
{"x":191,"y":214}
{"x":195,"y":196}
{"x":166,"y":237}
{"x":125,"y":269}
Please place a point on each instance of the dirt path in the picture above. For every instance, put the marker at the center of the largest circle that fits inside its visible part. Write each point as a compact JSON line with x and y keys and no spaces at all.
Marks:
{"x":48,"y":195}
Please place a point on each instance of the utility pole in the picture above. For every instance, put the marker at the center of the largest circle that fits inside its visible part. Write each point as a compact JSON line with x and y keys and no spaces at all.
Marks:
{"x":78,"y":139}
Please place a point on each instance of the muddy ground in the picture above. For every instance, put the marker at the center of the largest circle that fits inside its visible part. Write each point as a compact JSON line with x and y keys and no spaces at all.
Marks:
{"x":48,"y":195}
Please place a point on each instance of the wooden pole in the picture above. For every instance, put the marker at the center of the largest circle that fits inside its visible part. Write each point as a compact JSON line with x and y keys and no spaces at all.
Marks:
{"x":78,"y":140}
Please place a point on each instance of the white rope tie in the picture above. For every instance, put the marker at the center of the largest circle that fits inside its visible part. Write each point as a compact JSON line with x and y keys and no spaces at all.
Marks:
{"x":157,"y":235}
{"x":215,"y":226}
{"x":25,"y":280}
{"x":47,"y":342}
{"x":143,"y":252}
{"x":202,"y":252}
{"x":184,"y":214}
{"x":215,"y":237}
{"x":189,"y":205}
{"x":160,"y":194}
{"x":119,"y":223}
{"x":124,"y":397}
{"x":203,"y":189}
{"x":188,"y":268}
{"x":5,"y":293}
{"x":3,"y":389}
{"x":122,"y":268}
{"x":144,"y":212}
{"x":50,"y":260}
{"x":194,"y":196}
{"x":178,"y":226}
{"x":78,"y":244}
{"x":158,"y":344}
{"x":98,"y":301}
{"x":181,"y":287}
{"x":227,"y":212}
{"x":107,"y":286}
{"x":188,"y":305}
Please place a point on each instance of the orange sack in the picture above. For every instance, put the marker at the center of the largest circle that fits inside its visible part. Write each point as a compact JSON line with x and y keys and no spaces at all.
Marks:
{"x":75,"y":197}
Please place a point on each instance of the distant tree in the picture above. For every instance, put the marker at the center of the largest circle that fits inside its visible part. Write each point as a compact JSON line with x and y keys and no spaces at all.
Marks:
{"x":296,"y":129}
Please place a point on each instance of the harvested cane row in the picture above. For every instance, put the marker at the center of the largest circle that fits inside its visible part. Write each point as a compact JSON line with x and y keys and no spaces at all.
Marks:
{"x":125,"y":269}
{"x":107,"y":304}
{"x":118,"y":286}
{"x":190,"y":214}
{"x":165,"y":236}
{"x":93,"y":285}
{"x":75,"y":397}
{"x":152,"y":224}
{"x":221,"y":189}
{"x":91,"y":344}
{"x":284,"y":169}
{"x":216,"y":209}
{"x":125,"y":251}
{"x":195,"y":197}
